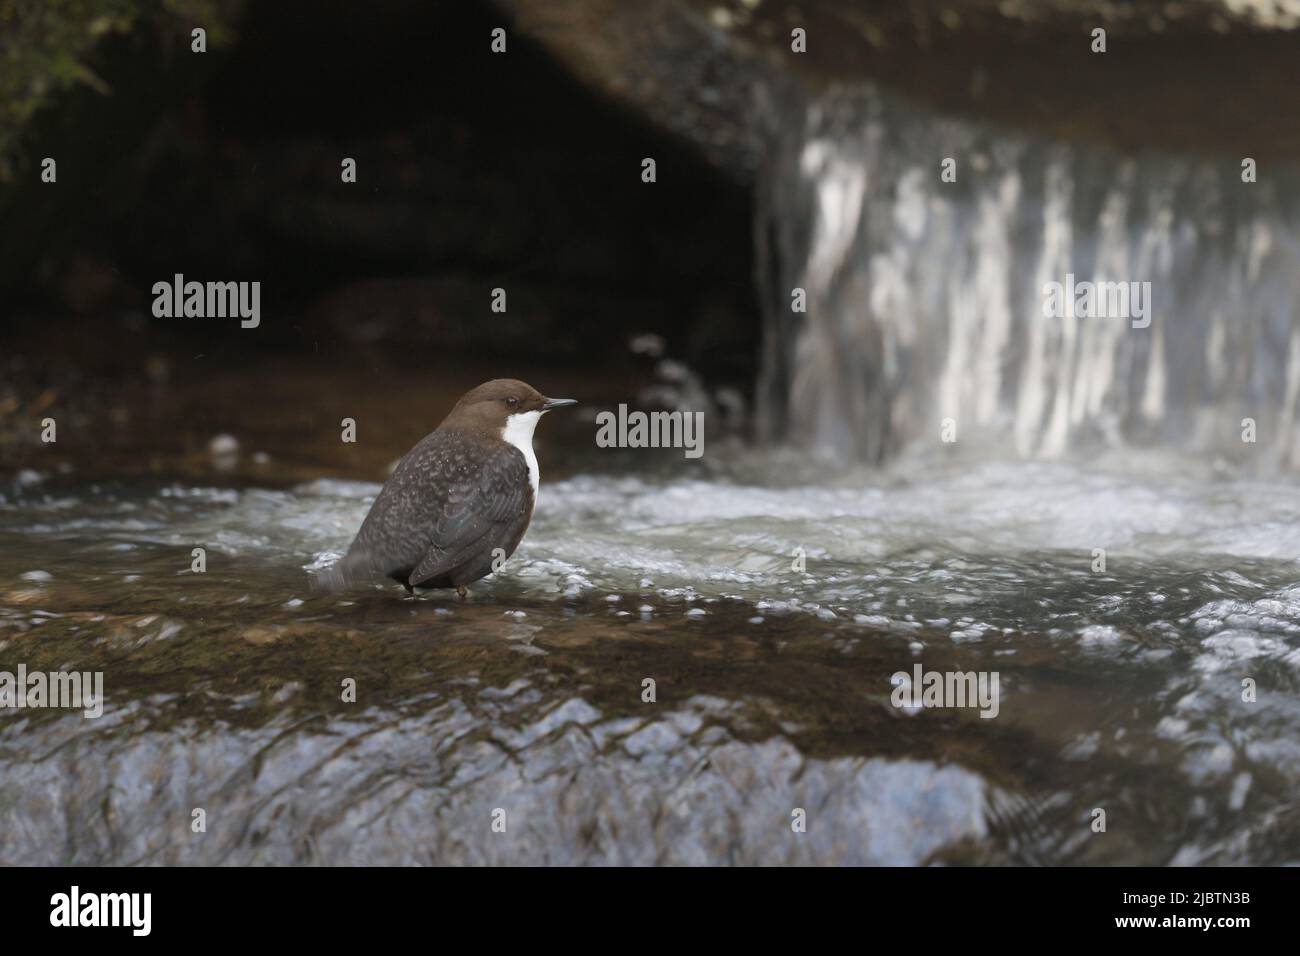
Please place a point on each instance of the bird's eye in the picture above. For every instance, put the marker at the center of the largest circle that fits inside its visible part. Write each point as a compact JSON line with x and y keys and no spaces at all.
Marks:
{"x":512,"y":401}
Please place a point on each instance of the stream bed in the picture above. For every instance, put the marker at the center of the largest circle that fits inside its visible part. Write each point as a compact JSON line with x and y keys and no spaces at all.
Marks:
{"x":771,"y":616}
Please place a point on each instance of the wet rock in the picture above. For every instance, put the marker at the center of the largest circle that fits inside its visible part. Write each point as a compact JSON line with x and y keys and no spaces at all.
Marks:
{"x":720,"y":75}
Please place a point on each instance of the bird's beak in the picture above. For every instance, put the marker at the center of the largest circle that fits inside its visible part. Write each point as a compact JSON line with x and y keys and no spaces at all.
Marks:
{"x":557,"y":403}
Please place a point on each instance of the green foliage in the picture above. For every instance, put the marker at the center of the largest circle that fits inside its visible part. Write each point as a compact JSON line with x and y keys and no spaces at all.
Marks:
{"x":46,"y":47}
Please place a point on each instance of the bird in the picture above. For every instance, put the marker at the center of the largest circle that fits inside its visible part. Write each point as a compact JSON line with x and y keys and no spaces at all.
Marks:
{"x":458,"y":503}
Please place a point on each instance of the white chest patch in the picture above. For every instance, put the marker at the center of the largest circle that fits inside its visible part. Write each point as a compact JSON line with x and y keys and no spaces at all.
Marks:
{"x":519,"y":432}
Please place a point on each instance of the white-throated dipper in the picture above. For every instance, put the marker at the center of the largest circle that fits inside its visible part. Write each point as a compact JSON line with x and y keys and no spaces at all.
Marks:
{"x":459,"y":502}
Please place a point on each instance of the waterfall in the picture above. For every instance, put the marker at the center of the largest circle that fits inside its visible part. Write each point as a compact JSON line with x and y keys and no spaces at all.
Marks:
{"x":925,"y":301}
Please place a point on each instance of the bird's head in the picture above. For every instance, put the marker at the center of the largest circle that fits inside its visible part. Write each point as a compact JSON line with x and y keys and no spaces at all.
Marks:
{"x":504,"y":403}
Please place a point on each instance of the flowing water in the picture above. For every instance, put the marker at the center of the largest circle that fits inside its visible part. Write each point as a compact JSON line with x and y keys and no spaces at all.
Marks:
{"x":925,"y":298}
{"x":1120,"y":689}
{"x":1141,"y":610}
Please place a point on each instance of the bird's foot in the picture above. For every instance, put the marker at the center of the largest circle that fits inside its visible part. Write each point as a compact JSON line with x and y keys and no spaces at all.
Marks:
{"x":463,"y":592}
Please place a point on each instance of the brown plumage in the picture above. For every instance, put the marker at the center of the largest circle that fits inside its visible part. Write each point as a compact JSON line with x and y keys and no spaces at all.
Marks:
{"x":459,"y":501}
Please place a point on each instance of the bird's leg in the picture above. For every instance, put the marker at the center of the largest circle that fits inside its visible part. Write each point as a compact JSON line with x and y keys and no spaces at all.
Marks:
{"x":462,"y":591}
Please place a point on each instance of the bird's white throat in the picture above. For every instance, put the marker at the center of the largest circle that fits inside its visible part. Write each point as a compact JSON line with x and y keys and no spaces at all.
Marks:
{"x":519,"y":432}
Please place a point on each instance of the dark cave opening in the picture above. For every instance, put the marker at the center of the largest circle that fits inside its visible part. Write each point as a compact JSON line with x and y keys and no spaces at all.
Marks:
{"x":475,"y":171}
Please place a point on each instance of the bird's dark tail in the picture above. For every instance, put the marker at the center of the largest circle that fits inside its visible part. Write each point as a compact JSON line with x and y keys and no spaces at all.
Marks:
{"x":342,"y":574}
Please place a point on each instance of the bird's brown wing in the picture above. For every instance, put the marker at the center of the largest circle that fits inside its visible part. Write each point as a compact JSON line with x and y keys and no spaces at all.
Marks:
{"x":487,"y":504}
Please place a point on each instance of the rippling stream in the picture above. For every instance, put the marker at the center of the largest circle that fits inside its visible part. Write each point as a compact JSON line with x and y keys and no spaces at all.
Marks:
{"x":1121,"y":689}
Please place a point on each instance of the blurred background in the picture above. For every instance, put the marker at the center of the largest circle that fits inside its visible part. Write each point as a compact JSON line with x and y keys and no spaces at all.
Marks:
{"x":777,"y":170}
{"x":475,"y":172}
